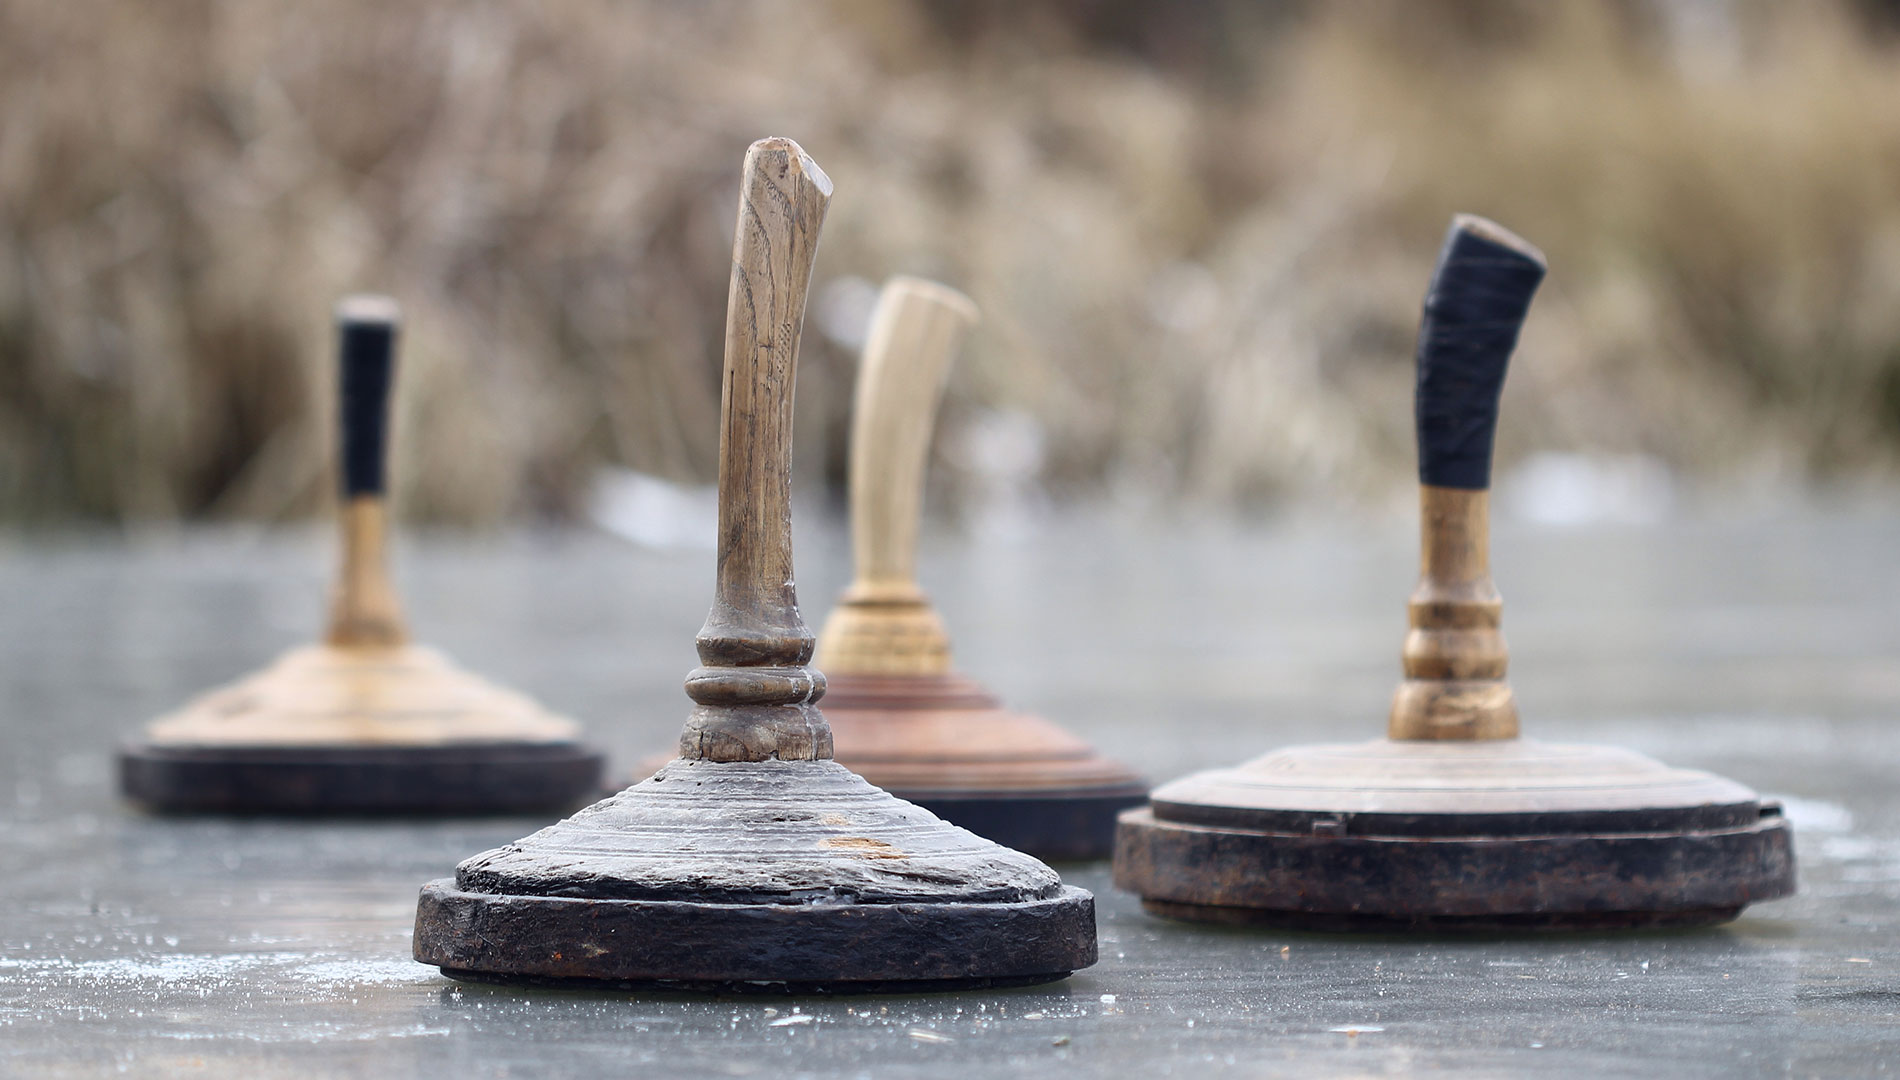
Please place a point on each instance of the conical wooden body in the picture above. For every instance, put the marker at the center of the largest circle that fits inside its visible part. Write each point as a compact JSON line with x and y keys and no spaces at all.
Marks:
{"x":326,"y":695}
{"x":944,"y":742}
{"x":770,"y":873}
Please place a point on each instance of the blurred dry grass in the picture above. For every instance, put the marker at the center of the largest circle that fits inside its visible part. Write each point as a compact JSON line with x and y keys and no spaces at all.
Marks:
{"x":1198,"y":231}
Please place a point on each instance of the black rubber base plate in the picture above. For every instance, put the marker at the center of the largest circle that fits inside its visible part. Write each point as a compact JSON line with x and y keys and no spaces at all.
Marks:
{"x":466,"y":778}
{"x":1066,"y":826}
{"x":786,"y":948}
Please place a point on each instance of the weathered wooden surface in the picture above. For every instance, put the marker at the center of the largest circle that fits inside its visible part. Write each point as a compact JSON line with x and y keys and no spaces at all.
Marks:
{"x":774,"y":947}
{"x":364,"y":722}
{"x":1452,"y":822}
{"x":792,"y":874}
{"x":754,"y":859}
{"x":758,"y":832}
{"x":756,"y":690}
{"x":897,"y":712}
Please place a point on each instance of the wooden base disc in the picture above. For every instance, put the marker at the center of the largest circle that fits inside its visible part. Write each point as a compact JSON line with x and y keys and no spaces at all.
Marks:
{"x":467,"y":778}
{"x":945,"y":743}
{"x":787,"y":875}
{"x":1501,"y":835}
{"x":369,"y":730}
{"x":784,"y":947}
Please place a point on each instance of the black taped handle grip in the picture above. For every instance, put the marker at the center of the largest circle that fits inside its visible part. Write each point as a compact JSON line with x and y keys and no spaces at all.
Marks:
{"x":366,"y":366}
{"x":1480,"y":294}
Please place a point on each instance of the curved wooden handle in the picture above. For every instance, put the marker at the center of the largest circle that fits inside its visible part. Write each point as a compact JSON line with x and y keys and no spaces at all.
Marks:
{"x":755,"y":693}
{"x":1454,"y":656}
{"x":364,"y":610}
{"x":884,"y":625}
{"x":914,"y":335}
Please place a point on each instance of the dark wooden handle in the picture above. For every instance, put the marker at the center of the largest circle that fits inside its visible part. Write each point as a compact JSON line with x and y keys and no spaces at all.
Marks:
{"x":782,"y":202}
{"x":755,"y":695}
{"x":366,"y":367}
{"x":1479,"y":296}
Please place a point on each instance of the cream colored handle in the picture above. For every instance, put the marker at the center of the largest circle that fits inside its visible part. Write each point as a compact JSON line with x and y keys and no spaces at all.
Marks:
{"x":915,"y":333}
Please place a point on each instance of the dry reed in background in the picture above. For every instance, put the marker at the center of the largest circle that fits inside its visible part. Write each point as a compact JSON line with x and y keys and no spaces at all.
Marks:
{"x":1198,"y":237}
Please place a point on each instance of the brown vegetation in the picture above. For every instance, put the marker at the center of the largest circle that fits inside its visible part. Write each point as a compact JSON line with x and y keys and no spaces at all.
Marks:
{"x":1198,"y":240}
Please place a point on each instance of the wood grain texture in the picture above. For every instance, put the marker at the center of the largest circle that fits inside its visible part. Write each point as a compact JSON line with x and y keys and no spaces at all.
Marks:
{"x":884,"y":624}
{"x":835,"y":947}
{"x":797,"y":874}
{"x":774,"y":829}
{"x":1454,"y":655}
{"x":755,"y":692}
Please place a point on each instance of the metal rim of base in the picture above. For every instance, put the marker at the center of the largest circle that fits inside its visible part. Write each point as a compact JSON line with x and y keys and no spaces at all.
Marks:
{"x":461,"y":778}
{"x":1575,"y":879}
{"x":793,"y":947}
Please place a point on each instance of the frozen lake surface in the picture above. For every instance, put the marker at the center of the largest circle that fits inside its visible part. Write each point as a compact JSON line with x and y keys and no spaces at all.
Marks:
{"x":1766,"y":648}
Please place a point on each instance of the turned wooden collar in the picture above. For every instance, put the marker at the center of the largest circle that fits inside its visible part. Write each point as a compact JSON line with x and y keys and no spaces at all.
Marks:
{"x":1454,"y":655}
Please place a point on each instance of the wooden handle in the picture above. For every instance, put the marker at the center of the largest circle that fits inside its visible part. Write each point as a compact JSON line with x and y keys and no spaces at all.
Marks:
{"x":1479,"y":296}
{"x":756,"y":696}
{"x":364,"y":610}
{"x":915,"y":333}
{"x":1454,"y":656}
{"x":884,"y":624}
